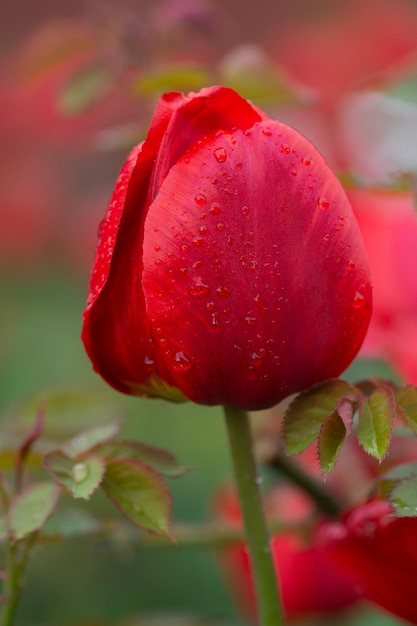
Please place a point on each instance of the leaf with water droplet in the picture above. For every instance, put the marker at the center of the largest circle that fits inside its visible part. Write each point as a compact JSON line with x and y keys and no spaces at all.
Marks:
{"x":305,"y":415}
{"x":30,"y":509}
{"x":81,"y":479}
{"x":141,"y":495}
{"x":376,"y":420}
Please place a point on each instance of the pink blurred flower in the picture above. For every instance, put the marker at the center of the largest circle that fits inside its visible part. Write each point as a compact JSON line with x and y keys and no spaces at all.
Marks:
{"x":388,"y":222}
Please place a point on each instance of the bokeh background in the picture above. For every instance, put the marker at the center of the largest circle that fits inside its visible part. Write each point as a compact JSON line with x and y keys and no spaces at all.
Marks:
{"x":79,"y":82}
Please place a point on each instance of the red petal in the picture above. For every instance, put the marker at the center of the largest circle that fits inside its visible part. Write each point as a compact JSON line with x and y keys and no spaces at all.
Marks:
{"x":255,"y":276}
{"x":116,"y":333}
{"x":119,"y":355}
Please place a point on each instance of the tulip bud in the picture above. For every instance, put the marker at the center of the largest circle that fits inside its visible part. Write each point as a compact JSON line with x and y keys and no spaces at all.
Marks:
{"x":230,"y":268}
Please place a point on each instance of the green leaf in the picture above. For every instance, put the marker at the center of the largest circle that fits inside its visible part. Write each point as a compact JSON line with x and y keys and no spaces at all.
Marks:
{"x":161,"y":460}
{"x":84,"y":90}
{"x":403,"y":497}
{"x":80,"y":478}
{"x":70,"y":522}
{"x":332,"y":436}
{"x":307,"y":412}
{"x":31,"y":508}
{"x":140,"y":493}
{"x":406,"y":398}
{"x":376,"y":420}
{"x":176,"y":77}
{"x":87,"y":440}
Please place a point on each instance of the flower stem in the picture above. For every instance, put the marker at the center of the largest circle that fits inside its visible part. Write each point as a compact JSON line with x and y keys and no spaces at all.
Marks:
{"x":13,"y":584}
{"x":270,"y":611}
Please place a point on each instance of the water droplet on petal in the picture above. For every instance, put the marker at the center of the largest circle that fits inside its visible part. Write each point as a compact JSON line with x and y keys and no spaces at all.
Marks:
{"x":250,"y":320}
{"x":210,"y":306}
{"x":215,"y":208}
{"x":220,"y":227}
{"x":351,"y":265}
{"x":198,"y":288}
{"x":256,"y":359}
{"x":267,"y":132}
{"x":220,"y":155}
{"x":358,"y":300}
{"x":223,"y":292}
{"x":285,"y":149}
{"x":306,"y":161}
{"x":245,"y":210}
{"x":197,"y":241}
{"x":158,"y":262}
{"x":215,"y":326}
{"x":148,"y":364}
{"x":180,"y":362}
{"x":323,"y":203}
{"x":200,"y":199}
{"x":157,"y":248}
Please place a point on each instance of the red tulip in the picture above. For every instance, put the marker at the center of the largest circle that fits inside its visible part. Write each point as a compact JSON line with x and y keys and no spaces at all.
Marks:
{"x":380,"y":551}
{"x":230,"y":268}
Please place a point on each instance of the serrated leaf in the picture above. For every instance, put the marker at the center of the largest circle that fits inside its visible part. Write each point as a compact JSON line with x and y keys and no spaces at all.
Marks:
{"x":406,"y":398}
{"x":376,"y":420}
{"x":70,"y":522}
{"x":307,"y":412}
{"x":332,"y":436}
{"x":140,"y":493}
{"x":403,"y":497}
{"x":30,"y":509}
{"x":85,"y":88}
{"x":87,"y":440}
{"x":161,"y":460}
{"x":79,"y":478}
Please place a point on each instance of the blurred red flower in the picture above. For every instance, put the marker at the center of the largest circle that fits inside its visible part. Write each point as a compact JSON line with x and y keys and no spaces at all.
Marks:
{"x":380,"y":551}
{"x":388,"y":222}
{"x":230,"y":268}
{"x":309,"y":581}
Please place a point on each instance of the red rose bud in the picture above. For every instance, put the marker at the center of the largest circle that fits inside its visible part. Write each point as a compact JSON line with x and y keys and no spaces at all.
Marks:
{"x":230,"y":268}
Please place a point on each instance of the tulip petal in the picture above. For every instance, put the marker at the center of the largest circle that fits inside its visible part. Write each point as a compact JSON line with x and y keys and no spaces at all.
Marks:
{"x":254,"y":272}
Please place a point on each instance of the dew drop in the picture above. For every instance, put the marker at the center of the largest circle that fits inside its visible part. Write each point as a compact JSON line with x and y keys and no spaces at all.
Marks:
{"x":351,"y":265}
{"x":220,"y":155}
{"x":148,"y":364}
{"x":220,"y":226}
{"x":256,"y":359}
{"x":198,"y":288}
{"x":157,"y":248}
{"x":323,"y":203}
{"x":184,"y":248}
{"x":223,"y":292}
{"x":326,"y":237}
{"x":250,"y":320}
{"x":197,"y":241}
{"x":245,"y":210}
{"x":79,"y":472}
{"x":203,"y":230}
{"x":210,"y":306}
{"x":158,"y":262}
{"x":250,"y":372}
{"x":285,"y":149}
{"x":180,"y":362}
{"x":358,"y":300}
{"x":267,"y":132}
{"x":215,"y":326}
{"x":200,"y":199}
{"x":306,"y":161}
{"x":215,"y":208}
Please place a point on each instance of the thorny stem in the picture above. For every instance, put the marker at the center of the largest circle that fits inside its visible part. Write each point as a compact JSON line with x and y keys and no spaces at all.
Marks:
{"x":270,"y":611}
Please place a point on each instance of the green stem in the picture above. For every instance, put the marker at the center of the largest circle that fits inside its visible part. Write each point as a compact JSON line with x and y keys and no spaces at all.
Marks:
{"x":270,"y":609}
{"x":325,"y":501}
{"x":13,"y":584}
